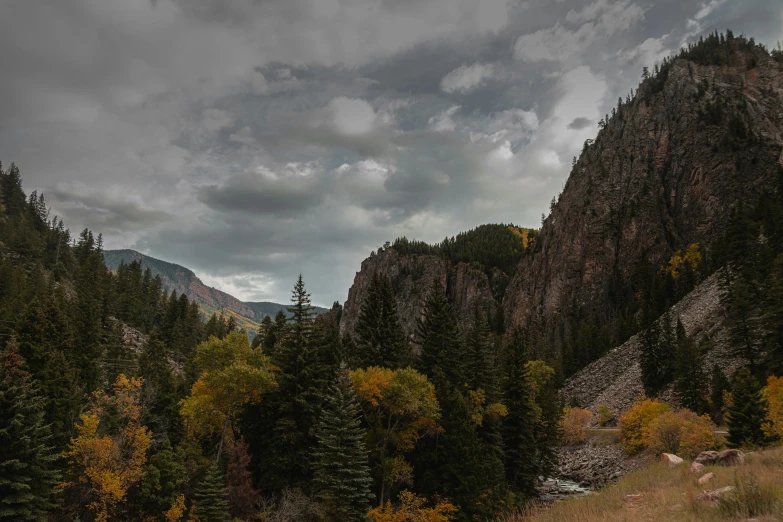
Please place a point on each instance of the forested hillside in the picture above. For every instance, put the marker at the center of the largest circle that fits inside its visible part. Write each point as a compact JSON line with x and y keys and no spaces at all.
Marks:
{"x":196,"y":423}
{"x":182,"y":280}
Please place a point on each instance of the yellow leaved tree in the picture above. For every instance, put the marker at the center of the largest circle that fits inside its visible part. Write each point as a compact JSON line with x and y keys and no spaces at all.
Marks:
{"x":773,"y":393}
{"x":109,"y":464}
{"x":232,"y":374}
{"x":399,"y":407}
{"x":412,"y":508}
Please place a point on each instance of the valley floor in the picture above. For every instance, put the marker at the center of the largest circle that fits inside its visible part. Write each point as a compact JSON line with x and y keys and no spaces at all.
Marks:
{"x":659,"y":493}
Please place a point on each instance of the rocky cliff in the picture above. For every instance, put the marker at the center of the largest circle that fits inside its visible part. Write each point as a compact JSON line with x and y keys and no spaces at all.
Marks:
{"x":664,"y":172}
{"x":411,"y":276}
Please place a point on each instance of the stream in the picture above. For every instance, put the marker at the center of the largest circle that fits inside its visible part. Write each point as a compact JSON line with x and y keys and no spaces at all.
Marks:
{"x":554,"y":490}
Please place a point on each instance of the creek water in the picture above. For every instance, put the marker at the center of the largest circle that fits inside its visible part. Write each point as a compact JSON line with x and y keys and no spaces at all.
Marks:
{"x":556,"y":489}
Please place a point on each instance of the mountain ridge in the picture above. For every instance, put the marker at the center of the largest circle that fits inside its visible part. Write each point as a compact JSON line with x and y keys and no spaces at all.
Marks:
{"x":183,"y":280}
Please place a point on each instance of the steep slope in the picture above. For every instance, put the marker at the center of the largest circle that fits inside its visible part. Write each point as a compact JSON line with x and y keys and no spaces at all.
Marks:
{"x":703,"y":134}
{"x":183,"y":280}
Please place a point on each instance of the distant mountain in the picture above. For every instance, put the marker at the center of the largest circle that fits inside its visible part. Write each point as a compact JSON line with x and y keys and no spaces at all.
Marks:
{"x":183,"y":280}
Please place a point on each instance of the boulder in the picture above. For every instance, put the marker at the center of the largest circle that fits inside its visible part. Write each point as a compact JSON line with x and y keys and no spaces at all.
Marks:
{"x":707,"y":457}
{"x":706,"y":478}
{"x":671,"y":459}
{"x":730,"y":457}
{"x":697,"y":467}
{"x":714,"y":495}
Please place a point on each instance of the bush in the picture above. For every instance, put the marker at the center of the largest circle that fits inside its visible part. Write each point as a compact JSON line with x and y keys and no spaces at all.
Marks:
{"x":605,"y":416}
{"x":574,"y":424}
{"x":635,"y":421}
{"x":683,"y":433}
{"x":773,"y":393}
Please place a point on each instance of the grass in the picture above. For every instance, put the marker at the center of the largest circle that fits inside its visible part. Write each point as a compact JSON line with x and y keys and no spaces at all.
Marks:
{"x":659,"y":493}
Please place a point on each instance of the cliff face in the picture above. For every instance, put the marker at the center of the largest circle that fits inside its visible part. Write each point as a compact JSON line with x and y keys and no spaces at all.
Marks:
{"x":411,"y":276}
{"x":665,"y":172}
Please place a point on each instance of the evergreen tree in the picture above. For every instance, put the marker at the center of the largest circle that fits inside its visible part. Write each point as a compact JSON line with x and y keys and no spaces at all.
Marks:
{"x":519,"y":424}
{"x":747,"y":412}
{"x":773,"y":316}
{"x":657,"y":352}
{"x":210,"y":497}
{"x":27,"y":459}
{"x":380,"y":339}
{"x":159,"y":390}
{"x":342,"y":479}
{"x":165,"y":477}
{"x":690,"y":382}
{"x":438,"y":338}
{"x":718,"y":385}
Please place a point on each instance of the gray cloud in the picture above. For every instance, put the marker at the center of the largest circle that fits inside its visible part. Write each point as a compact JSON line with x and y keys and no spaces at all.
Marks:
{"x":580,"y":123}
{"x":254,"y":139}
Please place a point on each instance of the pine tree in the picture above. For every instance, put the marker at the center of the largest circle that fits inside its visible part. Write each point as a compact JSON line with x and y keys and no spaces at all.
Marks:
{"x":773,"y":316}
{"x":657,"y":352}
{"x":437,"y":335}
{"x":747,"y":412}
{"x":165,"y":477}
{"x":519,"y":424}
{"x":342,"y":475}
{"x":159,"y":390}
{"x":210,"y":497}
{"x":718,"y":385}
{"x":27,"y":459}
{"x":380,"y":339}
{"x":690,"y":383}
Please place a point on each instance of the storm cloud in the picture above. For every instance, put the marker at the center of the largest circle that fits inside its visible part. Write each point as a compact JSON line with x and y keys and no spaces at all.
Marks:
{"x":251,"y":140}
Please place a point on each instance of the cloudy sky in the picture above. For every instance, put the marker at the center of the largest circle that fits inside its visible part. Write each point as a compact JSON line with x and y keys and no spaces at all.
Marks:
{"x":251,"y":140}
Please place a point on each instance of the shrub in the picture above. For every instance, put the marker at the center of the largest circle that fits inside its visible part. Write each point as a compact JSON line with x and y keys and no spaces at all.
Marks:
{"x":605,"y":415}
{"x":683,"y":433}
{"x":635,"y":421}
{"x":574,"y":424}
{"x":773,"y":393}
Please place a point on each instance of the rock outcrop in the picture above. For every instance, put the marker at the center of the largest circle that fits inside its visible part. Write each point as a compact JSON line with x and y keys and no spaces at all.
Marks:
{"x":663,"y":173}
{"x":411,"y":276}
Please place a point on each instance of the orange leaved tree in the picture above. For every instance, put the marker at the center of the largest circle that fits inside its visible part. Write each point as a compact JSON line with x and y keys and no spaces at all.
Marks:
{"x":109,"y":464}
{"x":412,"y":508}
{"x":635,"y":421}
{"x":398,"y":407}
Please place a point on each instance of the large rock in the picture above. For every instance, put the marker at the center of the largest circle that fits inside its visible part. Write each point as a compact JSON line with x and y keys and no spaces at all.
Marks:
{"x":671,"y":459}
{"x":697,"y":467}
{"x":729,"y":457}
{"x":656,"y":178}
{"x":707,"y":458}
{"x":707,"y":477}
{"x":714,"y":495}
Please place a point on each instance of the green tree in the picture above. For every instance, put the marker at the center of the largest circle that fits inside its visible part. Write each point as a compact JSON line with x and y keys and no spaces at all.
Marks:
{"x":159,"y":391}
{"x":380,"y":339}
{"x":27,"y":459}
{"x":210,"y":497}
{"x":519,"y":425}
{"x":690,"y":382}
{"x":773,"y":316}
{"x":165,"y":477}
{"x":719,"y":384}
{"x":342,"y":479}
{"x":437,"y":335}
{"x":747,"y":412}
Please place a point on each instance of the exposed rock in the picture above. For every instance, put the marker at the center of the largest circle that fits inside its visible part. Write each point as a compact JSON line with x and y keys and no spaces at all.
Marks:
{"x":594,"y":465}
{"x":411,"y":276}
{"x":672,"y":460}
{"x":730,"y":457}
{"x":615,"y":380}
{"x":714,"y":495}
{"x":707,"y":457}
{"x":134,"y":338}
{"x":706,"y":478}
{"x":697,"y":467}
{"x":656,"y":178}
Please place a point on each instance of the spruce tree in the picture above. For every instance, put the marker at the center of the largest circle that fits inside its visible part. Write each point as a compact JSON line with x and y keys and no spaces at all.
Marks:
{"x":165,"y":477}
{"x":438,"y":338}
{"x":342,"y":479}
{"x":773,"y":316}
{"x":690,"y":383}
{"x":747,"y":412}
{"x":159,"y":390}
{"x":519,"y":423}
{"x":718,"y":385}
{"x":27,"y":459}
{"x":380,"y":339}
{"x":210,"y":497}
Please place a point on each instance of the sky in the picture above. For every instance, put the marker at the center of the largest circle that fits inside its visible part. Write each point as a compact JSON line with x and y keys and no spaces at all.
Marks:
{"x":253,"y":140}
